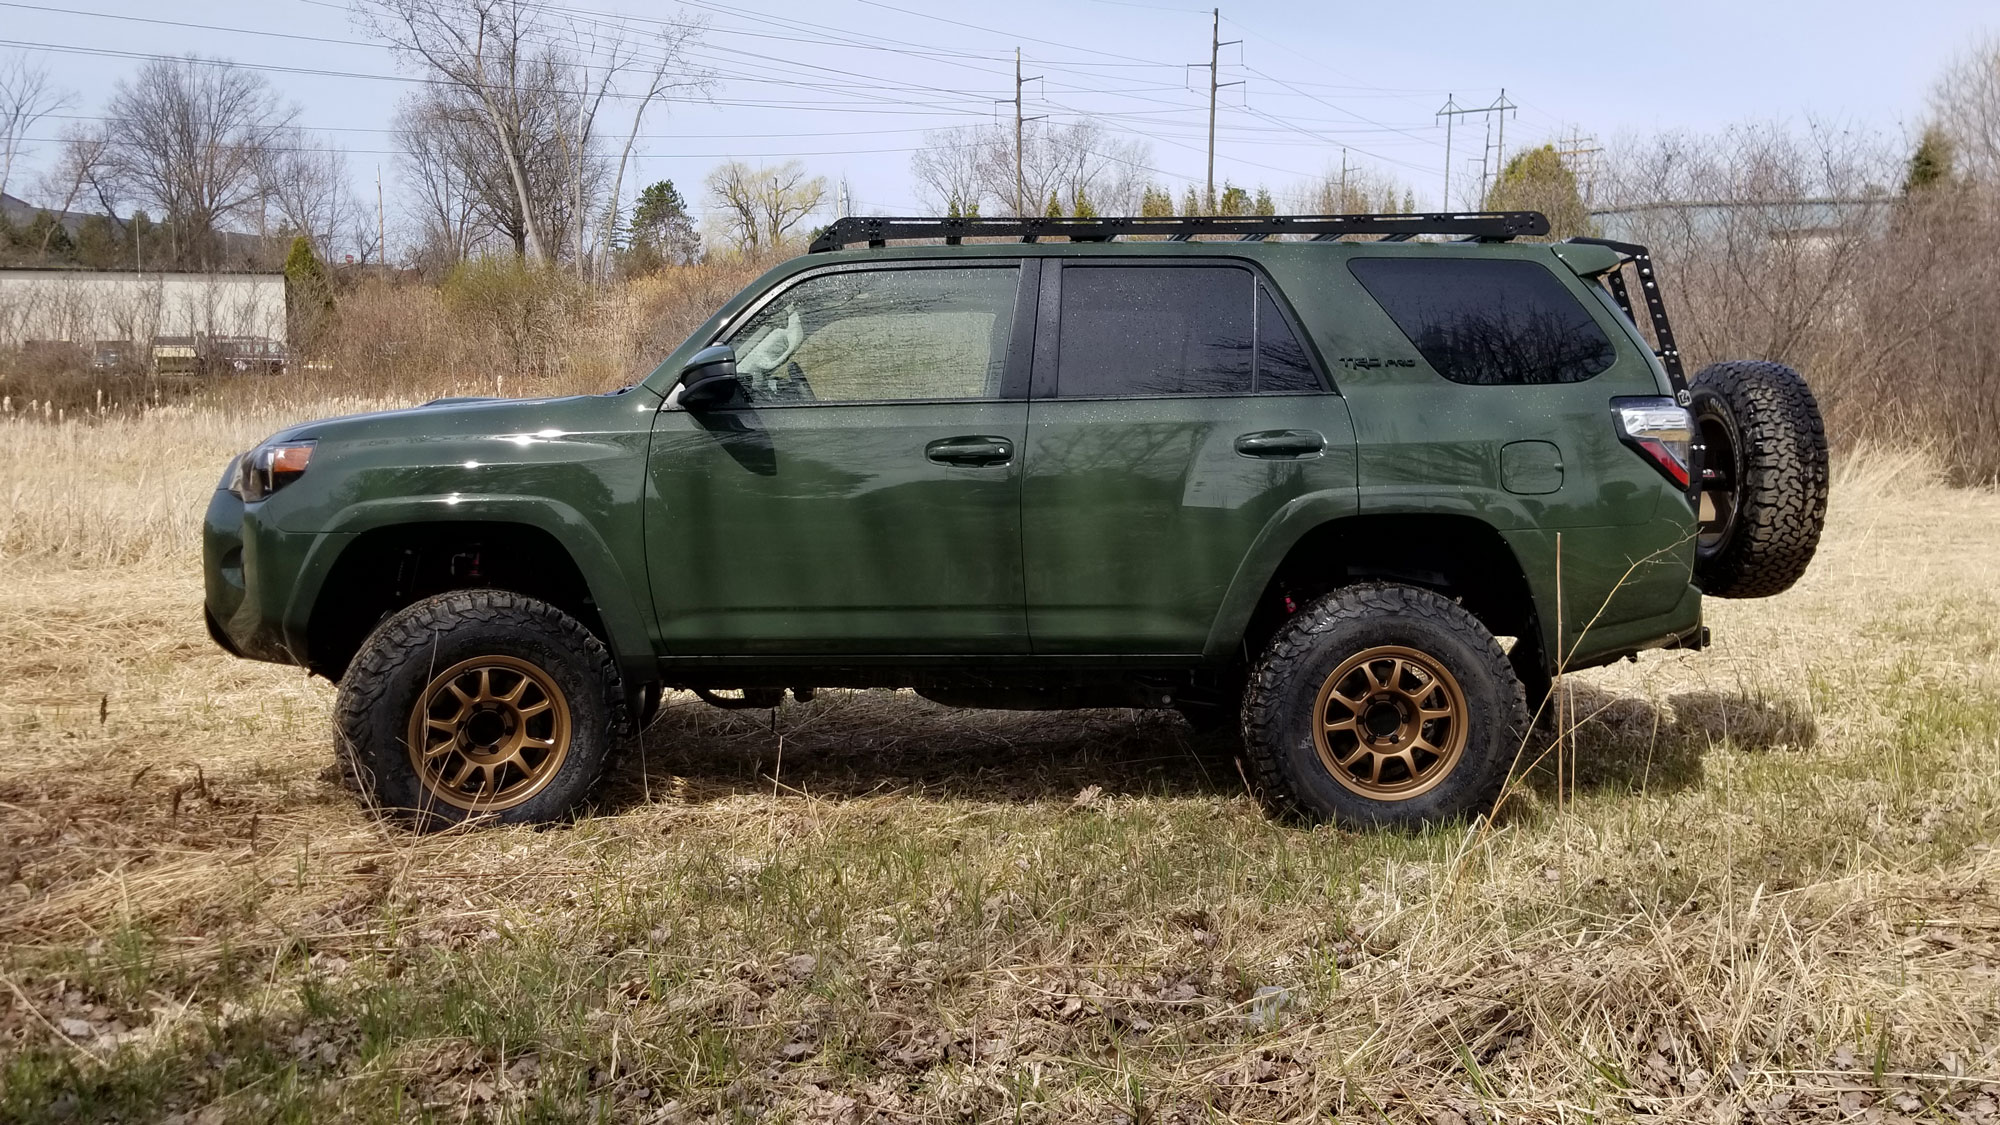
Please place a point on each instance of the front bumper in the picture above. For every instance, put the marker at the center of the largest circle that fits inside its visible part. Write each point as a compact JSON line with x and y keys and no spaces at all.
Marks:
{"x":258,"y":583}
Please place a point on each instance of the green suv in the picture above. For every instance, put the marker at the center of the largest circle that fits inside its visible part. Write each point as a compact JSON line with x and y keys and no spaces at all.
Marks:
{"x":1352,"y":487}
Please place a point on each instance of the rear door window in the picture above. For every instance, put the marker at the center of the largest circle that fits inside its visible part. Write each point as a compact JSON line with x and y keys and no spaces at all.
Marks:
{"x":1488,"y":321}
{"x":1155,"y":331}
{"x":1132,"y":330}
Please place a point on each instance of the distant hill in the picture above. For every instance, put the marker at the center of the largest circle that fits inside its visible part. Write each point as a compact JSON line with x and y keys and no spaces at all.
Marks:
{"x":237,"y":249}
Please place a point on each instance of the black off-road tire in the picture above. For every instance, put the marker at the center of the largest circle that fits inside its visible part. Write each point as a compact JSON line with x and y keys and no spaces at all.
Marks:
{"x":390,"y":673}
{"x":1765,"y":439}
{"x":1281,"y":707}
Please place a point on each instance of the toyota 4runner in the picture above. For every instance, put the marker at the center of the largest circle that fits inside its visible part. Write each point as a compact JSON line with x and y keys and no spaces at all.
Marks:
{"x":1354,"y":487}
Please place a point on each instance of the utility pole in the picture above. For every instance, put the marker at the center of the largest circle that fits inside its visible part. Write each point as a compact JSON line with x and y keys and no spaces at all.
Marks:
{"x":1019,"y":81}
{"x":1341,"y":207}
{"x":1215,"y":45}
{"x":381,"y":227}
{"x":1452,"y":110}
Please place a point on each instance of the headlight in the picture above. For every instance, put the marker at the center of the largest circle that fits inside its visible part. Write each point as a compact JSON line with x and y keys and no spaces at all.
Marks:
{"x":268,"y":468}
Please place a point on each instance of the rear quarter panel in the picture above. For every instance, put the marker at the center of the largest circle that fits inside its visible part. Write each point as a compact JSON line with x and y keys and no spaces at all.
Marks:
{"x":1619,"y":533}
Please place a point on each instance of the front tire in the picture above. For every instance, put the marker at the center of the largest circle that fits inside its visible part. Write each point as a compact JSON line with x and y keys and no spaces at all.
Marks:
{"x":480,"y":704}
{"x":1383,"y":706}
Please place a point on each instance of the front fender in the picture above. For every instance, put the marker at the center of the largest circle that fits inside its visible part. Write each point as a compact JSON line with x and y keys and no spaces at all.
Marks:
{"x":610,"y":585}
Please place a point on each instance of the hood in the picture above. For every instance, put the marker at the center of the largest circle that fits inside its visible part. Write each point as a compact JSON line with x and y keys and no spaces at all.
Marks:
{"x":453,"y":417}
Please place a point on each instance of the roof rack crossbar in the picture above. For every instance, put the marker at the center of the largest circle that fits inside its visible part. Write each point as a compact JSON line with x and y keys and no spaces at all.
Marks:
{"x":1482,"y":225}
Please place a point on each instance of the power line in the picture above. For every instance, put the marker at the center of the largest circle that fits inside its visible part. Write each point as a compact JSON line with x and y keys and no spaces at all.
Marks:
{"x":865,"y":96}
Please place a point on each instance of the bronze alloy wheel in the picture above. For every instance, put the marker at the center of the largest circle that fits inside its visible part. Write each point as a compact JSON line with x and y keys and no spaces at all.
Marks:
{"x":1390,"y":723}
{"x":488,"y":733}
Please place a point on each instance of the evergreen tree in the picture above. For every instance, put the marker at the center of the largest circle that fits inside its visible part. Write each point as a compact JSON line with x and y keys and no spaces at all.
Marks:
{"x":1054,"y":210}
{"x":1081,"y":208}
{"x":1190,"y":203}
{"x":1409,"y":202}
{"x":308,"y":296}
{"x":951,"y":210}
{"x":662,"y":230}
{"x":49,"y":239}
{"x":1932,"y":163}
{"x":1264,"y":204}
{"x":1235,"y":201}
{"x":1538,"y":180}
{"x":98,"y":243}
{"x":1156,"y":202}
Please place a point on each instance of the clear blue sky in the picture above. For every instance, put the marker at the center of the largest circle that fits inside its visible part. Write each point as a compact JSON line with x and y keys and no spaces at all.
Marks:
{"x":849,"y":86}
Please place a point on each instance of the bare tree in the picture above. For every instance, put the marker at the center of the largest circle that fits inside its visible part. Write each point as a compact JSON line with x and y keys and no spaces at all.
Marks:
{"x":1761,"y":230}
{"x":466,"y":167}
{"x":1348,"y":191}
{"x":307,"y":180}
{"x":443,"y":204}
{"x":1967,"y":103}
{"x":1078,"y":160}
{"x":192,"y":137}
{"x":489,"y":57}
{"x":759,"y":208}
{"x":79,"y":170}
{"x":670,"y":71}
{"x":517,"y":89}
{"x":949,"y":171}
{"x":27,"y":95}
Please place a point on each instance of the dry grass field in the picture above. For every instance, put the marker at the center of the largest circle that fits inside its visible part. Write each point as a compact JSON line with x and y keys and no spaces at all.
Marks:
{"x":1765,"y":889}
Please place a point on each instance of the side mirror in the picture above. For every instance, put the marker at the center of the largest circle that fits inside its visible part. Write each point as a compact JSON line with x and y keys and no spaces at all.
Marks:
{"x":709,"y":379}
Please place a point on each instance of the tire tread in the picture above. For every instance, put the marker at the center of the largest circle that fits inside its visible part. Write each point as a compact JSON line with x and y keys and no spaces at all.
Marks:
{"x":1277,"y":668}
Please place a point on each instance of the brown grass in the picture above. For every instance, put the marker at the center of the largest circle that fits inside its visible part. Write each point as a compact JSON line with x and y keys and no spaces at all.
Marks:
{"x":1770,"y":892}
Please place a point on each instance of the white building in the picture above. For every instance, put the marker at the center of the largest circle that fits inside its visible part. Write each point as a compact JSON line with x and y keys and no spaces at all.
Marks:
{"x":85,"y":307}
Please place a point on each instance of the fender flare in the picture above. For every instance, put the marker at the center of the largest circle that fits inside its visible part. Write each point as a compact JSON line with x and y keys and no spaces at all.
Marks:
{"x":625,"y":622}
{"x":1280,"y":534}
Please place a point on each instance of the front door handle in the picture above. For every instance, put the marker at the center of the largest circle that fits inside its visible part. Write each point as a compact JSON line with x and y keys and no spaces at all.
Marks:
{"x":1281,"y":443}
{"x":972,"y":450}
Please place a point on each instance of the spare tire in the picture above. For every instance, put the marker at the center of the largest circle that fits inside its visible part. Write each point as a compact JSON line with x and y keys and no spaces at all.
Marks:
{"x":1764,"y":478}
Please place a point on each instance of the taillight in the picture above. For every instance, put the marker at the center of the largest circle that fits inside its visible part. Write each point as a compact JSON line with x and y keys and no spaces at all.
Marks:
{"x":1660,"y":429}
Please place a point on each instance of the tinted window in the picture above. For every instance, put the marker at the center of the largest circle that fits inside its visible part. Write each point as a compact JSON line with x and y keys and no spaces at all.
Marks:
{"x":1172,"y":330}
{"x":1282,"y":366}
{"x":1488,"y":321}
{"x":873,"y":335}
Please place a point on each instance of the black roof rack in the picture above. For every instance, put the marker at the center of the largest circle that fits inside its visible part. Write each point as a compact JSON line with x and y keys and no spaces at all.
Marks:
{"x":1484,"y":226}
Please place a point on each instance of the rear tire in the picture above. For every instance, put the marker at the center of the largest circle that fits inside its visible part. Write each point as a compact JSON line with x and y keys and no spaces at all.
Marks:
{"x":480,"y":704}
{"x":1383,"y":706}
{"x":1763,"y":510}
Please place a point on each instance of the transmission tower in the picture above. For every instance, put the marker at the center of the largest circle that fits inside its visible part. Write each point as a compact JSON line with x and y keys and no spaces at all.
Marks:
{"x":1496,"y":111}
{"x":1579,"y":154}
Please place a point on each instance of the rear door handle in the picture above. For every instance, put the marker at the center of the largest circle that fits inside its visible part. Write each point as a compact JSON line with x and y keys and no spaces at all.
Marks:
{"x":1281,"y":443}
{"x":971,"y":450}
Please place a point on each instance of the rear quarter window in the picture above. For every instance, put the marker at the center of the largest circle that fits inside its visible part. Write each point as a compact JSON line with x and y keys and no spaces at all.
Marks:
{"x":1488,"y":322}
